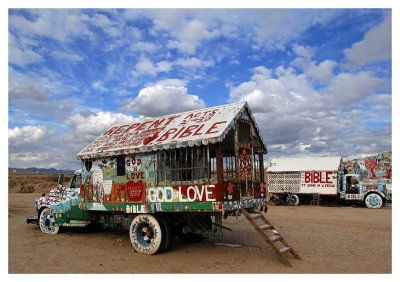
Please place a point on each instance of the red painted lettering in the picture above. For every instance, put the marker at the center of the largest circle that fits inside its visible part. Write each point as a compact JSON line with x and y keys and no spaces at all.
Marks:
{"x":198,"y":130}
{"x":170,"y":119}
{"x":307,"y":177}
{"x":143,"y":125}
{"x":179,"y":131}
{"x":110,"y":131}
{"x":317,"y":177}
{"x":156,"y":123}
{"x":188,"y":131}
{"x":214,"y":127}
{"x":132,"y":126}
{"x":166,"y":135}
{"x":327,"y":177}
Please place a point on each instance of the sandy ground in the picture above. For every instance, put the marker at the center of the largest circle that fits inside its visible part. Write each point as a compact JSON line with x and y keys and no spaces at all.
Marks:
{"x":329,"y":240}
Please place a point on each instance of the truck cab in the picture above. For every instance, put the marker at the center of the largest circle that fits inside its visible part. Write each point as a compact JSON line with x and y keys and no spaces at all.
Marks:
{"x":373,"y":194}
{"x":68,"y":197}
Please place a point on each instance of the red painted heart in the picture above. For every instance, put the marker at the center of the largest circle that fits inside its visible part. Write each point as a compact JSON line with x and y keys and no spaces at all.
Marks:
{"x":134,"y":190}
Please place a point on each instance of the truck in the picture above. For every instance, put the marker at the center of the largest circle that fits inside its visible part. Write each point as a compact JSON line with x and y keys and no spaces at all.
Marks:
{"x":324,"y":178}
{"x":175,"y":175}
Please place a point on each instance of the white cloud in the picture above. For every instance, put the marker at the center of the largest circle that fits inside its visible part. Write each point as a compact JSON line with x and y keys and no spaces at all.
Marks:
{"x":25,"y":136}
{"x":89,"y":125}
{"x":59,"y":24}
{"x":376,"y":45}
{"x":275,"y":28}
{"x":66,"y":56}
{"x":144,"y":47}
{"x":21,"y":53}
{"x":111,"y":27}
{"x":165,"y":97}
{"x":193,"y":62}
{"x":145,"y":66}
{"x":190,"y":36}
{"x":296,"y":117}
{"x":303,"y":51}
{"x":321,"y":72}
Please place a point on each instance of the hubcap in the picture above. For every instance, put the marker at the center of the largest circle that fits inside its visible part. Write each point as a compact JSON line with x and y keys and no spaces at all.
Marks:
{"x":146,"y":234}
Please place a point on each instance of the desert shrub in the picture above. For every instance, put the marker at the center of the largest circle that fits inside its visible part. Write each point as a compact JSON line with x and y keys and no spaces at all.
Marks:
{"x":12,"y":183}
{"x":27,"y":189}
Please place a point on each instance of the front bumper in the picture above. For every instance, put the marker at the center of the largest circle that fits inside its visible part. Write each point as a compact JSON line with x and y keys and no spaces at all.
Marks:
{"x":32,"y":219}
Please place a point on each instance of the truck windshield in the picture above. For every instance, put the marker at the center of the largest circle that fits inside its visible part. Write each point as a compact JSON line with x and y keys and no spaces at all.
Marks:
{"x":75,"y":181}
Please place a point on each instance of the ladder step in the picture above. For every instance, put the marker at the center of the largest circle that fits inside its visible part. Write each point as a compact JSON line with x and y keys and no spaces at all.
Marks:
{"x":284,"y":249}
{"x":265,"y":226}
{"x":256,"y":215}
{"x":275,"y":238}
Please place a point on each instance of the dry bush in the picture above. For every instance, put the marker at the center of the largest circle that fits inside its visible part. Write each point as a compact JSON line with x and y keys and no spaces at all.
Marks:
{"x":27,"y":189}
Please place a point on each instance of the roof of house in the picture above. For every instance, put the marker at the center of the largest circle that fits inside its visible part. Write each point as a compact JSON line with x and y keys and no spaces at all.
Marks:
{"x":193,"y":128}
{"x":305,"y":164}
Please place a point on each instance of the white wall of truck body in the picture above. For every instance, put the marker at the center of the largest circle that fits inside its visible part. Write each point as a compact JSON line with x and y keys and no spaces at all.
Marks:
{"x":304,"y":175}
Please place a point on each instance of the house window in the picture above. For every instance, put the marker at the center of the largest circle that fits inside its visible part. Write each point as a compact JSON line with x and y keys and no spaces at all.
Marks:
{"x":183,"y":166}
{"x":120,"y":166}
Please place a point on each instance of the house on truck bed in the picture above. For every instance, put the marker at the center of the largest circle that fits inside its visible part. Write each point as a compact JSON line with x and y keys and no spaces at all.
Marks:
{"x":175,"y":174}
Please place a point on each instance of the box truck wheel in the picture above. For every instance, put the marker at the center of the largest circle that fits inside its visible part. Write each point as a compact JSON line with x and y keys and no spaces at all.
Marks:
{"x":47,"y":222}
{"x":146,"y":234}
{"x":294,"y":200}
{"x":167,"y":233}
{"x":373,"y":201}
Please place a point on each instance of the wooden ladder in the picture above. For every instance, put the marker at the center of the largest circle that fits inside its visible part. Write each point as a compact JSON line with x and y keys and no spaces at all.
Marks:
{"x":268,"y":232}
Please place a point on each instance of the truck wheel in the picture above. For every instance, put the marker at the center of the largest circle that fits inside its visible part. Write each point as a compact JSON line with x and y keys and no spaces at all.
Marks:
{"x":373,"y":201}
{"x":167,"y":233}
{"x":47,"y":222}
{"x":294,"y":201}
{"x":145,"y":234}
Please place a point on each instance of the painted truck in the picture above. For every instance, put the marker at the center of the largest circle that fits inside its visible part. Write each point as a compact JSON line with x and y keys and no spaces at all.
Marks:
{"x":326,"y":178}
{"x":174,"y":175}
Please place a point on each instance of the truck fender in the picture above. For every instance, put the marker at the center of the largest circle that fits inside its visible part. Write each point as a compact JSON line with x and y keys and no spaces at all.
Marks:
{"x":368,"y":196}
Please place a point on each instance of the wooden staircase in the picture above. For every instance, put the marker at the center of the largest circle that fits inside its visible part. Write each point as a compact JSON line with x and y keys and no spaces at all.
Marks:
{"x":272,"y":237}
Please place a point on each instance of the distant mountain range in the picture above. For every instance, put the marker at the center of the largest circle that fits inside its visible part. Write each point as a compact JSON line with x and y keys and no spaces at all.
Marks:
{"x":40,"y":170}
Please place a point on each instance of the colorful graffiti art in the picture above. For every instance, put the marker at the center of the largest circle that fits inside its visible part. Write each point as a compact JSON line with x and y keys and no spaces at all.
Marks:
{"x":372,"y":167}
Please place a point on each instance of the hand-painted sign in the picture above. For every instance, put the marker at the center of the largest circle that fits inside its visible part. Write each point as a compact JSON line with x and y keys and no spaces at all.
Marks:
{"x":200,"y":125}
{"x":188,"y":193}
{"x":323,"y":182}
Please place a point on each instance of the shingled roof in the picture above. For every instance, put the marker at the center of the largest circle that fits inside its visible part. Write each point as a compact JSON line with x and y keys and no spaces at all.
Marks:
{"x":193,"y":128}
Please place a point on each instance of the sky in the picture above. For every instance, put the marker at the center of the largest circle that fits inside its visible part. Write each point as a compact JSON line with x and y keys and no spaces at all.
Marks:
{"x":318,"y":81}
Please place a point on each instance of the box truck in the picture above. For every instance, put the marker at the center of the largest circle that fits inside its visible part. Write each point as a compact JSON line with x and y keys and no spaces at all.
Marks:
{"x":326,"y":178}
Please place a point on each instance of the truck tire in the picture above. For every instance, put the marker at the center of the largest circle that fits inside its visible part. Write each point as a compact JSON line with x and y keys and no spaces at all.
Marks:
{"x":47,"y":222}
{"x":373,"y":201}
{"x":167,"y":232}
{"x":146,"y":234}
{"x":294,"y":200}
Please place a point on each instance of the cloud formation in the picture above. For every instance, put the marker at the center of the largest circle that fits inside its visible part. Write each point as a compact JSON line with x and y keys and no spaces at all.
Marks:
{"x":162,"y":98}
{"x":317,"y":80}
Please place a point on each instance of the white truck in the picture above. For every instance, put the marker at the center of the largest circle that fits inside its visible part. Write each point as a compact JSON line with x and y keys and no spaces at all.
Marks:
{"x":325,"y":178}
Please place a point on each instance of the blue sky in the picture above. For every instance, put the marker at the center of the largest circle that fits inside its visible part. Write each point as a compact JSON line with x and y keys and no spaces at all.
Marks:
{"x":317,"y":80}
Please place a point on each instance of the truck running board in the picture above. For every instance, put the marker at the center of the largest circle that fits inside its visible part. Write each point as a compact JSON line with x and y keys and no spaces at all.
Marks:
{"x":272,"y":237}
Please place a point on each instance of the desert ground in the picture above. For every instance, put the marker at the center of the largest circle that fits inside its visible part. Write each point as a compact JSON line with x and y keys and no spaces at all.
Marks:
{"x":339,"y":239}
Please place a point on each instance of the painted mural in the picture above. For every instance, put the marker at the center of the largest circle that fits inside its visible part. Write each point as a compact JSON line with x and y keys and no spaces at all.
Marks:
{"x":103,"y":183}
{"x":377,"y":167}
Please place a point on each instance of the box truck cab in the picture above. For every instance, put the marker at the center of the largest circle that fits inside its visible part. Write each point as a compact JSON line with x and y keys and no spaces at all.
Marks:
{"x":372,"y":193}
